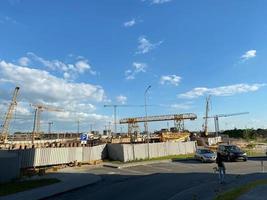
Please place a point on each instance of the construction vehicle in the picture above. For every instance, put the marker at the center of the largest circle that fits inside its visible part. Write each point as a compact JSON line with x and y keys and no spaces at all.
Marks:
{"x":9,"y":115}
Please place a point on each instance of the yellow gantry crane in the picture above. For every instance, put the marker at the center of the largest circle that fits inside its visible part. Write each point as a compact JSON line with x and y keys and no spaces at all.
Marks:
{"x":9,"y":115}
{"x":37,"y":118}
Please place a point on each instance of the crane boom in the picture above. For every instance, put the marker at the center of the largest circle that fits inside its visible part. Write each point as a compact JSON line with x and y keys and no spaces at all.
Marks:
{"x":216,"y":119}
{"x":9,"y":114}
{"x":228,"y":115}
{"x":177,"y":117}
{"x":115,"y":106}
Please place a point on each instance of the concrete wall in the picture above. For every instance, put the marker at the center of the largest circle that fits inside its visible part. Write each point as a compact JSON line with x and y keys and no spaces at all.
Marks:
{"x":214,"y":140}
{"x":129,"y":152}
{"x":115,"y":152}
{"x":123,"y":152}
{"x":9,"y":167}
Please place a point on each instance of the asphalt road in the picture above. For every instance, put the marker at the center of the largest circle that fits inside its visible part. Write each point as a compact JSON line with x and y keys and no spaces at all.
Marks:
{"x":164,"y":181}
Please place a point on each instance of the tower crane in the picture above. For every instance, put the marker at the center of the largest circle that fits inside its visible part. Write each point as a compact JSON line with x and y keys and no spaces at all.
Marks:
{"x":37,"y":117}
{"x":216,"y":119}
{"x":9,"y":114}
{"x":115,"y":106}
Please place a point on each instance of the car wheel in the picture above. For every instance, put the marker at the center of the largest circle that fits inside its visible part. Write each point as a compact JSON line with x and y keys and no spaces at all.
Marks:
{"x":202,"y":160}
{"x":245,"y":159}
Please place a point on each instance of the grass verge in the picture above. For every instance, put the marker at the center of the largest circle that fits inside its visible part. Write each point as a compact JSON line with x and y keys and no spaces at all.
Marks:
{"x":237,"y":192}
{"x":172,"y":157}
{"x":19,"y":186}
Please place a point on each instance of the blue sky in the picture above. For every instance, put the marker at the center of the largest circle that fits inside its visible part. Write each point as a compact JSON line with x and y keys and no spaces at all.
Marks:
{"x":79,"y":55}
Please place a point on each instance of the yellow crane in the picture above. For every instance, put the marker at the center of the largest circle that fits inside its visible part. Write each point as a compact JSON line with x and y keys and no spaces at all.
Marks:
{"x":37,"y":118}
{"x":9,"y":115}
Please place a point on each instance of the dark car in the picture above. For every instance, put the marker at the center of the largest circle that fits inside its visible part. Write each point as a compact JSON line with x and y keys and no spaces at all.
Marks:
{"x":232,"y":153}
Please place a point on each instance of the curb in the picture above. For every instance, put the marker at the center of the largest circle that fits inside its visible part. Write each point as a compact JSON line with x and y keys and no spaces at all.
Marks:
{"x":125,"y":165}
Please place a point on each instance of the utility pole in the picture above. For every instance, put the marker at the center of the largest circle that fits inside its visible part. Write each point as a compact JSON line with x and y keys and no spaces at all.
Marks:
{"x":206,"y":115}
{"x":91,"y":128}
{"x":109,"y":128}
{"x":78,"y":126}
{"x":146,"y":127}
{"x":49,"y":127}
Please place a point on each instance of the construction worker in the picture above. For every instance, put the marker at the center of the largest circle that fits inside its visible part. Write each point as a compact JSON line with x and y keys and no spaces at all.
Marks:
{"x":221,"y":167}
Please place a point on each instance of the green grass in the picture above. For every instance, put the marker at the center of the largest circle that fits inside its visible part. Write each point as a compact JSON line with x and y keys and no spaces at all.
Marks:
{"x":237,"y":192}
{"x":172,"y":157}
{"x":19,"y":186}
{"x":251,"y":152}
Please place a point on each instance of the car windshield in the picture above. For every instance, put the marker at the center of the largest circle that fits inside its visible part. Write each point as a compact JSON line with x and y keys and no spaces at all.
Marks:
{"x":203,"y":151}
{"x":232,"y":148}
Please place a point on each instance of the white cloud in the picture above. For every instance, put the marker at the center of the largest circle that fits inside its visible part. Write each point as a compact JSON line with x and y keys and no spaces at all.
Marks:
{"x":41,"y":84}
{"x":129,"y":23}
{"x":24,"y":61}
{"x":170,"y":79}
{"x":121,"y":99}
{"x":7,"y":19}
{"x":222,"y":91}
{"x":83,"y":65}
{"x":158,"y":1}
{"x":137,"y":68}
{"x":145,"y":45}
{"x":249,"y":54}
{"x":70,"y":71}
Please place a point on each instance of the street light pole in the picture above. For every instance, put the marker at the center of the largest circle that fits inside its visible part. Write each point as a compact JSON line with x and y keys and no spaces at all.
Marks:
{"x":146,"y":126}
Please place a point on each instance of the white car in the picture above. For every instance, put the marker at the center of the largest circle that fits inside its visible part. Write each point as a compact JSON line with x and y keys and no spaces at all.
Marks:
{"x":205,"y":155}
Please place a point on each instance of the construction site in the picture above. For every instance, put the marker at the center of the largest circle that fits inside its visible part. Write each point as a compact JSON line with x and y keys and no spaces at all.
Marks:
{"x":37,"y":148}
{"x":37,"y":138}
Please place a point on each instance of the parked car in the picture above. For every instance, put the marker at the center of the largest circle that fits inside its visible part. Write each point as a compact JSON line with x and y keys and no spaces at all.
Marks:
{"x":232,"y":153}
{"x":205,"y":155}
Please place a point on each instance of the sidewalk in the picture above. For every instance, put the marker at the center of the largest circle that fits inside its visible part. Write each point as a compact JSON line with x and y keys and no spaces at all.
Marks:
{"x":71,"y":178}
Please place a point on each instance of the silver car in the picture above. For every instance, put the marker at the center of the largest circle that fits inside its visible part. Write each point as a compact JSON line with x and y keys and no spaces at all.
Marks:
{"x":205,"y":155}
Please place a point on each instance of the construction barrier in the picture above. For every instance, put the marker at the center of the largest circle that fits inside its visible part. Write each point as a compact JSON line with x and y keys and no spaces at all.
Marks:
{"x":130,"y":152}
{"x":37,"y":157}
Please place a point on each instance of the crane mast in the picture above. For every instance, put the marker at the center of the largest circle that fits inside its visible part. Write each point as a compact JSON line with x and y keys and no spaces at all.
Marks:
{"x":37,"y":118}
{"x":9,"y":115}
